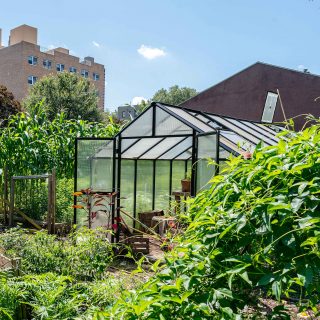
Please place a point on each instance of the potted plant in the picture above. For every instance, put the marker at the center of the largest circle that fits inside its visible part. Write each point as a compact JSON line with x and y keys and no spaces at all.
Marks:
{"x":186,"y":184}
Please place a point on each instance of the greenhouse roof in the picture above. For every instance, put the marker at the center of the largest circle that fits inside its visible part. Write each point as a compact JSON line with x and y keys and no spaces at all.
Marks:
{"x":165,"y":132}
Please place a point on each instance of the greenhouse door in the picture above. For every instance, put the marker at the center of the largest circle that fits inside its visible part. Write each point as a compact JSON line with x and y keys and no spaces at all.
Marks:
{"x":95,"y":172}
{"x":207,"y":151}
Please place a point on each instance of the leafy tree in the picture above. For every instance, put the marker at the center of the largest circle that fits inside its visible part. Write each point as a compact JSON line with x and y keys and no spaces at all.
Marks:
{"x":65,"y":92}
{"x":8,"y":105}
{"x":174,"y":95}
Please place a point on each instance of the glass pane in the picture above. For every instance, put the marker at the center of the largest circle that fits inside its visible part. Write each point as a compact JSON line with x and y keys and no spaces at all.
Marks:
{"x":144,"y":185}
{"x":191,"y":119}
{"x":257,"y":127}
{"x":127,"y":189}
{"x":94,"y":170}
{"x":184,"y":145}
{"x":160,"y":148}
{"x":238,"y":140}
{"x":89,"y":169}
{"x":178,"y":173}
{"x":126,"y":143}
{"x":186,"y":155}
{"x":236,"y":129}
{"x":142,"y":126}
{"x":166,"y":124}
{"x":140,"y":147}
{"x":207,"y":149}
{"x":223,"y":153}
{"x":247,"y":127}
{"x":162,"y":184}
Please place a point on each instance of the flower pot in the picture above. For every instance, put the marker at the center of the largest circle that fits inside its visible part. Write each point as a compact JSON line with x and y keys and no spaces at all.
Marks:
{"x":186,"y":185}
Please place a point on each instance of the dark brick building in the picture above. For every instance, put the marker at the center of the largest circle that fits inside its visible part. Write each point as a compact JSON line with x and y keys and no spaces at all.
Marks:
{"x":253,"y":91}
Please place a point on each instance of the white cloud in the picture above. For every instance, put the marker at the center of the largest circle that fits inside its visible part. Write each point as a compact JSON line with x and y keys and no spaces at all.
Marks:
{"x":96,"y":44}
{"x":151,"y":53}
{"x":137,"y":100}
{"x":301,"y":67}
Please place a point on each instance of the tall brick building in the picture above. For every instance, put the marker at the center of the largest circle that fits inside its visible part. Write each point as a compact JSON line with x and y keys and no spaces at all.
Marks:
{"x":23,"y":62}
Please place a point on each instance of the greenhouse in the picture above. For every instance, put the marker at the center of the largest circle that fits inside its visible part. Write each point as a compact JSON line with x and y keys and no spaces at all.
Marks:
{"x":143,"y":165}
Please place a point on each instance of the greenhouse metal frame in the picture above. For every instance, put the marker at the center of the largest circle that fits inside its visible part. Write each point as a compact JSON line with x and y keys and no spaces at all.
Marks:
{"x":169,"y":135}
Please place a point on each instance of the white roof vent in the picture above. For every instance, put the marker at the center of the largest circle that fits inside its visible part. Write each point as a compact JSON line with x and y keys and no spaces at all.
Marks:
{"x":269,"y":107}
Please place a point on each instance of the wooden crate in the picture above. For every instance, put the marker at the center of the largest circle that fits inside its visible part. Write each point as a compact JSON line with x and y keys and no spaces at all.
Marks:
{"x":146,"y":218}
{"x":139,"y":244}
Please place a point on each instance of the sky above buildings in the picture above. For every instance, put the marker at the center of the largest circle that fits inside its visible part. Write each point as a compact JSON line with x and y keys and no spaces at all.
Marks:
{"x":146,"y":45}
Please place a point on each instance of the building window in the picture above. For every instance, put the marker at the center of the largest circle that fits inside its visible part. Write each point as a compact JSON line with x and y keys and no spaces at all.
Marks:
{"x":96,"y":76}
{"x":47,"y":64}
{"x":123,"y":114}
{"x":33,"y":60}
{"x":60,"y":67}
{"x":85,"y":73}
{"x":32,"y":80}
{"x":73,"y":69}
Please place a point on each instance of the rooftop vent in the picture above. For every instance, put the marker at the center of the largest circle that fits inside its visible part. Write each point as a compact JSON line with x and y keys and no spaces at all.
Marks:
{"x":269,"y":107}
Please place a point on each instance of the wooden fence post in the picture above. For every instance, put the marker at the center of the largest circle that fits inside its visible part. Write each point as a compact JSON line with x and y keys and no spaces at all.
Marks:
{"x":5,"y":194}
{"x":51,"y":202}
{"x":11,"y":203}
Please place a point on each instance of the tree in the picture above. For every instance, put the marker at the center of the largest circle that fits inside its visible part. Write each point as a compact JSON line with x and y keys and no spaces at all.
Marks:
{"x":8,"y":105}
{"x":65,"y":92}
{"x":174,"y":95}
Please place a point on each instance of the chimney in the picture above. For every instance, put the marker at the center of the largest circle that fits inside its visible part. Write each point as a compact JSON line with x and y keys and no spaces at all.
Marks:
{"x":23,"y":33}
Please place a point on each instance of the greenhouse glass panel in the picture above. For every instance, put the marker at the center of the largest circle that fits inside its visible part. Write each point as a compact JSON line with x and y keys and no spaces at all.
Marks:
{"x":262,"y":130}
{"x":234,"y":128}
{"x":127,"y":189}
{"x":252,"y":131}
{"x":161,"y":147}
{"x":141,"y":126}
{"x":207,"y":150}
{"x":87,"y":151}
{"x":185,"y":155}
{"x":190,"y":118}
{"x":185,"y":144}
{"x":178,"y":173}
{"x":144,"y":185}
{"x":166,"y":124}
{"x":238,"y":140}
{"x":140,"y":147}
{"x":126,"y":143}
{"x":162,"y":195}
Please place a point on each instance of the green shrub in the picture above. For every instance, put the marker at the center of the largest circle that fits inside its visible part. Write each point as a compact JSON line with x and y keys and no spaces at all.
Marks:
{"x":254,"y":232}
{"x":84,"y":254}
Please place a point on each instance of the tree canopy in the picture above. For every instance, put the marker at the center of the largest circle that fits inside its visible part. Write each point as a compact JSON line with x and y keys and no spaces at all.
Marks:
{"x":65,"y":92}
{"x":174,"y":95}
{"x":8,"y":105}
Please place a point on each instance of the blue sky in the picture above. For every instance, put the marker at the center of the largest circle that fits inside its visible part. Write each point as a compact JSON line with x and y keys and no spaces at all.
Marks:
{"x":149,"y":44}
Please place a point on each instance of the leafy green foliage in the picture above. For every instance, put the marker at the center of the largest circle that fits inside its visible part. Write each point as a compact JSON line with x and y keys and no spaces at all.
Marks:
{"x":50,"y":296}
{"x":174,"y":95}
{"x":84,"y":254}
{"x":255,"y":231}
{"x":34,"y":145}
{"x":65,"y":92}
{"x":8,"y":105}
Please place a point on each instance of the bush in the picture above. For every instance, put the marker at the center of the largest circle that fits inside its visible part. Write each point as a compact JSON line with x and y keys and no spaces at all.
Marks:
{"x":254,"y":232}
{"x":84,"y":255}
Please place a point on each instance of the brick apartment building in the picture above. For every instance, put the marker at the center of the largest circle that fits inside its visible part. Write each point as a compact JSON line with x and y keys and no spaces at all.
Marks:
{"x":23,"y":62}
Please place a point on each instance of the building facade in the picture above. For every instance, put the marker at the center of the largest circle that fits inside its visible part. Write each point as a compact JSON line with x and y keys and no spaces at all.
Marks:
{"x":23,"y":62}
{"x":262,"y":92}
